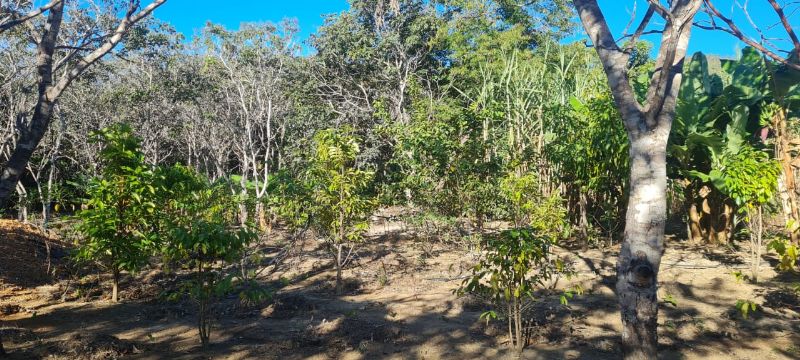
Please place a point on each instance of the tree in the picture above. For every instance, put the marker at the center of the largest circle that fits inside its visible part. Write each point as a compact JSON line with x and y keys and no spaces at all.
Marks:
{"x":519,"y":261}
{"x":198,"y":226}
{"x":118,"y":222}
{"x":251,"y":68}
{"x":339,"y":205}
{"x":369,"y":60}
{"x":751,"y":180}
{"x":648,"y":126}
{"x":14,"y":13}
{"x":768,"y":40}
{"x":74,"y":60}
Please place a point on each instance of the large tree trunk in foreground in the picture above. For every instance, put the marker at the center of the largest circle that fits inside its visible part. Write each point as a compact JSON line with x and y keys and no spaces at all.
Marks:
{"x":648,"y":126}
{"x":31,"y":135}
{"x":640,"y":255}
{"x":50,"y":88}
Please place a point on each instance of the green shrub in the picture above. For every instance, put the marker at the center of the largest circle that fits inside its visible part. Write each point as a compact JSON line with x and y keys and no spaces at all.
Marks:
{"x":514,"y":265}
{"x":338,"y":203}
{"x":118,"y":219}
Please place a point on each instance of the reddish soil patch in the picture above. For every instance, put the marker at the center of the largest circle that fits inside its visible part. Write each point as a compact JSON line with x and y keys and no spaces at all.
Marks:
{"x":28,"y":256}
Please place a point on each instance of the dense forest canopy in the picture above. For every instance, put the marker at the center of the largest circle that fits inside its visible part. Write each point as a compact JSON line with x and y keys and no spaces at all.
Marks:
{"x":146,"y":142}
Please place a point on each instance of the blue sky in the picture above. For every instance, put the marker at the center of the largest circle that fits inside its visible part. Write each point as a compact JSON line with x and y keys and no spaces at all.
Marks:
{"x":189,"y":15}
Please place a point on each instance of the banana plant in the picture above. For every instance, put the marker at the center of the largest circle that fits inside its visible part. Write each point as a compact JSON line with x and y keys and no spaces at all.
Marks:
{"x":718,"y":112}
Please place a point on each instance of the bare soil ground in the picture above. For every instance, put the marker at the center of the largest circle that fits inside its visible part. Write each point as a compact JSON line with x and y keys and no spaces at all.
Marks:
{"x":399,"y":304}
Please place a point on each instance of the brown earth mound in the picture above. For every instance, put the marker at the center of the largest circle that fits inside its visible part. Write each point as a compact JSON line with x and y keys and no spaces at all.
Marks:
{"x":28,"y":256}
{"x":92,"y":347}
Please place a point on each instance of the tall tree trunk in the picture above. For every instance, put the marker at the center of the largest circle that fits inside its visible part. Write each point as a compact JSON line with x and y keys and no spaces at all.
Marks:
{"x":640,"y":255}
{"x":339,"y":285}
{"x":511,"y":324}
{"x":49,"y":90}
{"x":48,"y":201}
{"x":22,"y":203}
{"x":648,"y":126}
{"x":787,"y":186}
{"x":518,"y":327}
{"x":583,"y":221}
{"x":30,"y":135}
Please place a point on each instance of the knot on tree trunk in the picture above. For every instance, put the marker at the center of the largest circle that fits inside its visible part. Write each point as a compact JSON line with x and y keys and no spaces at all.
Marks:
{"x":640,"y":271}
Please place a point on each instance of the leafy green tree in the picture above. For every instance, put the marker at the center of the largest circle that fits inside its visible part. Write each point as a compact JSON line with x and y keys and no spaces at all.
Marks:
{"x":369,"y":60}
{"x":521,"y":193}
{"x":751,"y":180}
{"x":515,"y":264}
{"x":198,"y":220}
{"x":591,"y":149}
{"x":339,"y":204}
{"x":117,"y":223}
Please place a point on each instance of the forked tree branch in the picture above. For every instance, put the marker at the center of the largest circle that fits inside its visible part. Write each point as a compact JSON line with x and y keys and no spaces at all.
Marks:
{"x":14,"y":20}
{"x":613,"y":58}
{"x":670,"y":55}
{"x":662,"y":90}
{"x":125,"y":24}
{"x":734,"y":30}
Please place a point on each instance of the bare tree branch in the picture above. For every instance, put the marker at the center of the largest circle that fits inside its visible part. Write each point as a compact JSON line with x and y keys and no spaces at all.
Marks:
{"x":129,"y":20}
{"x":613,"y":58}
{"x":785,"y":21}
{"x":734,"y":30}
{"x":12,"y":20}
{"x":640,"y":29}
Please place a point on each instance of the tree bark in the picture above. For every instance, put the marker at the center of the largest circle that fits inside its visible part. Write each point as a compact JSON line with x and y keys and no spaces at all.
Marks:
{"x":115,"y":285}
{"x":695,"y":229}
{"x":583,"y":221}
{"x":49,"y":90}
{"x":648,"y":128}
{"x":30,"y":136}
{"x":339,"y":286}
{"x":14,"y":19}
{"x":787,"y":186}
{"x":640,"y":255}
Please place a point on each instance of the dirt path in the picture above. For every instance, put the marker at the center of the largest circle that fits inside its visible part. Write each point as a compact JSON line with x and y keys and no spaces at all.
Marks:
{"x":403,"y":307}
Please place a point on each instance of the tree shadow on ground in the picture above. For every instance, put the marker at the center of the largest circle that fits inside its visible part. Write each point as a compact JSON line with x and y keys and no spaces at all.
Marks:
{"x":308,"y":321}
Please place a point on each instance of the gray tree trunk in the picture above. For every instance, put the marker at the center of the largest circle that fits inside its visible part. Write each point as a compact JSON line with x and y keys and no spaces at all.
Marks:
{"x":648,"y":126}
{"x":642,"y":246}
{"x":30,"y":135}
{"x":49,"y":89}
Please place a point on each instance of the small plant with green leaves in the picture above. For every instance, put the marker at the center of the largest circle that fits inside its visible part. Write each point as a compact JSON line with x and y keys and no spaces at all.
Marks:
{"x":788,"y":253}
{"x":740,"y":276}
{"x":751,"y":181}
{"x":339,"y":203}
{"x":521,"y":195}
{"x":670,"y":299}
{"x":746,"y":307}
{"x":515,"y":264}
{"x":197,"y":220}
{"x":201,"y":246}
{"x":118,"y":220}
